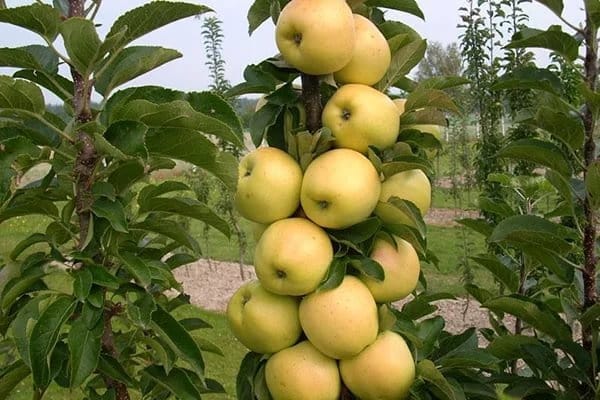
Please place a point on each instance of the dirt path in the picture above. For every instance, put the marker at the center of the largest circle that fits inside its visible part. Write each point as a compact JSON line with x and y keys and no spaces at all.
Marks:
{"x":212,"y":286}
{"x":448,"y":216}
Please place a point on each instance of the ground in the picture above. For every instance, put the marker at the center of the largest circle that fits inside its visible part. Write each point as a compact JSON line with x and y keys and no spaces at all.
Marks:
{"x":210,"y":286}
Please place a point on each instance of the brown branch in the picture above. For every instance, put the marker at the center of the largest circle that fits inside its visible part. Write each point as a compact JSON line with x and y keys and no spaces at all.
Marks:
{"x":311,"y":96}
{"x":589,"y":150}
{"x":84,"y":174}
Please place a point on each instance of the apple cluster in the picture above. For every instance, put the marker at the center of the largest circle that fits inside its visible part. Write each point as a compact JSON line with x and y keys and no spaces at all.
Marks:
{"x":319,"y":339}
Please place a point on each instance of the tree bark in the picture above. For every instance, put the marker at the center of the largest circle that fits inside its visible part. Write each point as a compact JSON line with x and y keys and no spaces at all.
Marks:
{"x":311,"y":96}
{"x":84,"y":174}
{"x":589,"y":151}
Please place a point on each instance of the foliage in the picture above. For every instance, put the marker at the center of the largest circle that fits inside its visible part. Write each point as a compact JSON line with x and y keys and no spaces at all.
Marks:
{"x":544,"y":233}
{"x":88,"y":307}
{"x":212,"y":35}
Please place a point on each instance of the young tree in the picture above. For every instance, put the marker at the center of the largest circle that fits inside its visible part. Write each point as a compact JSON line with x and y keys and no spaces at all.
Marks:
{"x":89,"y":309}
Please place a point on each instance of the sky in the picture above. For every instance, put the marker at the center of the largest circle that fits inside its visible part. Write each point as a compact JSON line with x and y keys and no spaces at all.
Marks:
{"x":189,"y":72}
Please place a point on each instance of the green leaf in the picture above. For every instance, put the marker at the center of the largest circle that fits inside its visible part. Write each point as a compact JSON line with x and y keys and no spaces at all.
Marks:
{"x":539,"y":152}
{"x":477,"y":358}
{"x":592,"y":183}
{"x":126,"y":175}
{"x":44,"y":337}
{"x":553,"y":39}
{"x":151,"y":16}
{"x":500,"y":271}
{"x":258,"y":13}
{"x":530,"y":78}
{"x":590,"y":315}
{"x":433,"y":98}
{"x":129,"y":137}
{"x":565,"y":127}
{"x":28,"y":205}
{"x":556,"y":6}
{"x":129,"y":64}
{"x":176,"y":114}
{"x":262,"y":120}
{"x":170,"y":229}
{"x":480,"y":226}
{"x":520,"y":230}
{"x":102,"y":277}
{"x":29,"y":241}
{"x":82,"y":43}
{"x":30,"y":57}
{"x":408,"y":6}
{"x":188,"y":208}
{"x":592,"y":8}
{"x":57,"y":84}
{"x":335,"y":275}
{"x":178,"y":339}
{"x":84,"y":349}
{"x":39,"y":18}
{"x":533,"y":313}
{"x":82,"y":284}
{"x":176,"y":381}
{"x":368,"y":267}
{"x":357,"y":233}
{"x":509,"y":347}
{"x":11,"y":376}
{"x":213,"y":105}
{"x":195,"y":148}
{"x":403,"y":61}
{"x":427,"y":371}
{"x":404,"y":212}
{"x":151,"y":191}
{"x":391,"y":29}
{"x":17,"y":94}
{"x":137,"y":268}
{"x":110,"y":367}
{"x":406,"y":163}
{"x":244,"y":383}
{"x":112,"y":211}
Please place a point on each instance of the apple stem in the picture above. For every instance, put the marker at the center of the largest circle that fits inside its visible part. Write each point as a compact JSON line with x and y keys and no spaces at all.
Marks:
{"x":311,"y":96}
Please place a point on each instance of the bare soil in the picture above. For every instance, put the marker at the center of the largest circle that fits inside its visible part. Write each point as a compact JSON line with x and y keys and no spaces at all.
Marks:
{"x":211,"y":285}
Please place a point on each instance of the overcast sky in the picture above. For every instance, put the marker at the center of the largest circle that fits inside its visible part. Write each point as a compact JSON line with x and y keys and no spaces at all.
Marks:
{"x":189,"y":72}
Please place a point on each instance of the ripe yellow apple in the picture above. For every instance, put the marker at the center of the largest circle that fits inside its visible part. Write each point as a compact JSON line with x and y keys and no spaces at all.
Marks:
{"x":383,"y":371}
{"x":263,"y":321}
{"x":412,"y":185}
{"x":269,"y":182}
{"x":292,"y":256}
{"x":340,"y":188}
{"x":360,"y":116}
{"x":302,"y":372}
{"x":315,"y":36}
{"x":340,"y":322}
{"x":401,"y":266}
{"x":371,"y":57}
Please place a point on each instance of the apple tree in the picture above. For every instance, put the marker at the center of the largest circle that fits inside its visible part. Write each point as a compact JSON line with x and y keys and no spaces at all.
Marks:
{"x":293,"y":117}
{"x":83,"y":302}
{"x":544,"y":239}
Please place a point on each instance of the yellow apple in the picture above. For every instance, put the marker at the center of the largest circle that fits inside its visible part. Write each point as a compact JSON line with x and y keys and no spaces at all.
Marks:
{"x":257,"y":230}
{"x":302,"y":372}
{"x":412,"y":185}
{"x":292,"y":256}
{"x":371,"y":58}
{"x":269,"y":182}
{"x":383,"y":371}
{"x":401,"y":266}
{"x":360,"y":116}
{"x":315,"y":36}
{"x":340,"y":322}
{"x":340,"y":188}
{"x":387,"y":319}
{"x":263,"y":321}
